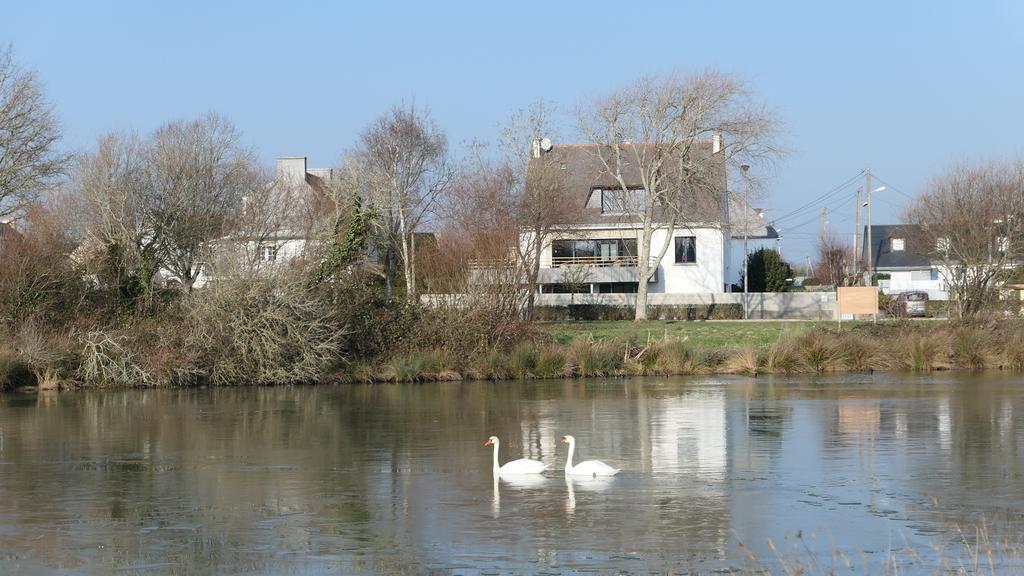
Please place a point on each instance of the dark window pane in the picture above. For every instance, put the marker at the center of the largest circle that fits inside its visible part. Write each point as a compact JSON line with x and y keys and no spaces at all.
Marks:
{"x":585,"y":248}
{"x":561,"y":248}
{"x":686,"y":249}
{"x":618,"y":201}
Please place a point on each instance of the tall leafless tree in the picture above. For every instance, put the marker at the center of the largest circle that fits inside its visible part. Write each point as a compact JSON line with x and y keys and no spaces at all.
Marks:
{"x":271,"y":210}
{"x":119,"y":245}
{"x":197,"y":175}
{"x":404,"y":172}
{"x":970,"y":220}
{"x":543,"y":204}
{"x":479,"y":237}
{"x":660,"y":130}
{"x":29,"y":132}
{"x":162,"y":202}
{"x":833,"y":265}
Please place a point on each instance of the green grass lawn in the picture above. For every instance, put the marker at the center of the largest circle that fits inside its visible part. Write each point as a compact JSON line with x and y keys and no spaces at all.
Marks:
{"x":713,"y":334}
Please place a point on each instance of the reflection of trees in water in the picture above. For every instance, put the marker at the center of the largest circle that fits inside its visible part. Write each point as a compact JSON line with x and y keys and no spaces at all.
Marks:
{"x":166,"y":475}
{"x":235,"y":477}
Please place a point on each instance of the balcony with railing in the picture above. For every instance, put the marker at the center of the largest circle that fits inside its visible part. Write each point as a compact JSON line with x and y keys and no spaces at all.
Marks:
{"x":594,"y":269}
{"x":594,"y":261}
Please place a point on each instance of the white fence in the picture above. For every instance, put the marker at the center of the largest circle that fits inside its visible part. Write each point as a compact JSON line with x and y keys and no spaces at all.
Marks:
{"x":768,"y":305}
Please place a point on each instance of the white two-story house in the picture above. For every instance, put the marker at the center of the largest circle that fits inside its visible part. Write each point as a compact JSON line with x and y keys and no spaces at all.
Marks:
{"x":597,"y":253}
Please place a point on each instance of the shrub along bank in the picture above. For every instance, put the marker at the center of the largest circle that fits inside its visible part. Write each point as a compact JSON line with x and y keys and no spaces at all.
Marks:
{"x":804,"y":349}
{"x":194,"y":351}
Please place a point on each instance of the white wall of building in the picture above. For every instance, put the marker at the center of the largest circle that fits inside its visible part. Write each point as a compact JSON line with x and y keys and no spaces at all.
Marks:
{"x":266,"y":255}
{"x":704,"y":275}
{"x":924,"y":280}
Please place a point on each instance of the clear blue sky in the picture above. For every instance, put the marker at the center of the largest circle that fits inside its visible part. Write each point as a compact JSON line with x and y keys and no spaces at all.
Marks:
{"x":905,"y":86}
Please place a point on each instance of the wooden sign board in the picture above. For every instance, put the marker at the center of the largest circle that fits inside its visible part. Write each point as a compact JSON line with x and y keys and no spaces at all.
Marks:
{"x":857,"y":300}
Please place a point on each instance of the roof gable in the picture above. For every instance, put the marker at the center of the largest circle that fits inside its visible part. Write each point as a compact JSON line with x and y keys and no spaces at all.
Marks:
{"x":882,"y":254}
{"x":578,"y":170}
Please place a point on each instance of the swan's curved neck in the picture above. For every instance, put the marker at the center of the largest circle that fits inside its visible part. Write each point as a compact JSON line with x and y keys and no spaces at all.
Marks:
{"x":496,"y":467}
{"x":568,"y":461}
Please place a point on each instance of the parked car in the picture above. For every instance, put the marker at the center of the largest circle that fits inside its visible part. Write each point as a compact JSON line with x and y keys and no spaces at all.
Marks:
{"x":910,"y":305}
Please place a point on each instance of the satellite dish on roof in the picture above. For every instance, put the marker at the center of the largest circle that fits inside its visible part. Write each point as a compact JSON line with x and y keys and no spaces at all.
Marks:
{"x":545,"y":144}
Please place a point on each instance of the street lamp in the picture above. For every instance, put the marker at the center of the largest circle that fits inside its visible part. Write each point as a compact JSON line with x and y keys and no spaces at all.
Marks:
{"x":744,"y":168}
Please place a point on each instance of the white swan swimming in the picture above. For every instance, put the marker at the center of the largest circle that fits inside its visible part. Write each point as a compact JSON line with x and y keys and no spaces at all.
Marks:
{"x":592,"y":468}
{"x":521,"y":466}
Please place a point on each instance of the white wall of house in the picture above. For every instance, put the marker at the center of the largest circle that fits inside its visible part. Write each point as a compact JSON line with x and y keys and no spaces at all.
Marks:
{"x":930,"y":280}
{"x":266,"y":255}
{"x":704,"y":275}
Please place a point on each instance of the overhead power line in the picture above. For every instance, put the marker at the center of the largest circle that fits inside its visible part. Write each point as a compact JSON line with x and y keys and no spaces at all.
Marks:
{"x":817,"y":202}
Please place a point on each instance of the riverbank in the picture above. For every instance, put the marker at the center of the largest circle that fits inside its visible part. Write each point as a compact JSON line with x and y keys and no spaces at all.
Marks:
{"x":659,"y":348}
{"x":595,"y":349}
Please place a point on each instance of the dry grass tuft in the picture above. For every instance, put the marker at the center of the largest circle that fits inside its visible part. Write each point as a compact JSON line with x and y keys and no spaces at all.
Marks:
{"x":675,"y":356}
{"x":818,"y":351}
{"x":742,"y":361}
{"x":590,"y":358}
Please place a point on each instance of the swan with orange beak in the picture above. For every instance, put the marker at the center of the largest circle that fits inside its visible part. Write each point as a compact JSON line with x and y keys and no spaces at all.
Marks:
{"x":592,"y":468}
{"x":515,"y":467}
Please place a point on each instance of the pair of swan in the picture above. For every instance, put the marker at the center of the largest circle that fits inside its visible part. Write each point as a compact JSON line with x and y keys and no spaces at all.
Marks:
{"x":592,"y":468}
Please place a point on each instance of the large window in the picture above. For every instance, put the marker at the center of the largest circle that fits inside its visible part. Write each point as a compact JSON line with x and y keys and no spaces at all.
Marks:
{"x":604,"y":252}
{"x":617,"y":200}
{"x":686,"y":249}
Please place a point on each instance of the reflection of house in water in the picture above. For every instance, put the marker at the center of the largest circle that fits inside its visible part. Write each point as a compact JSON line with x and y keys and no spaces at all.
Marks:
{"x":688,"y":434}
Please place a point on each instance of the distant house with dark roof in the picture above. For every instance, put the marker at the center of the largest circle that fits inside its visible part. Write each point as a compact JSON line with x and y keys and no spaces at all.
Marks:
{"x":892,"y":251}
{"x":602,"y":242}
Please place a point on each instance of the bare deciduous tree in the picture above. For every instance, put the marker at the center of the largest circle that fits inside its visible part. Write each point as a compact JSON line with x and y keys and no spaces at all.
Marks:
{"x":833,"y":266}
{"x":970,"y":221}
{"x":197,"y":175}
{"x":160,"y":203}
{"x":479,"y":257}
{"x":543,"y":205}
{"x":404,"y":170}
{"x":270,"y":211}
{"x":119,"y":245}
{"x":29,"y":132}
{"x":657,"y":134}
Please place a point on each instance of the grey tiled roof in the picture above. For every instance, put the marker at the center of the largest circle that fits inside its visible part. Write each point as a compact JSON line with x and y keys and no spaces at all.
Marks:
{"x":578,"y":169}
{"x":882,"y":255}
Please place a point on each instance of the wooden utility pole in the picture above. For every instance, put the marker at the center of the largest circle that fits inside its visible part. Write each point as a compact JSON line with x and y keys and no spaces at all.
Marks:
{"x":870,"y":264}
{"x":856,"y":238}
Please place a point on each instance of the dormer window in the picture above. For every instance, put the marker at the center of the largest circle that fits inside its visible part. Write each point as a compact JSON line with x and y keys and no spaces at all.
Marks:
{"x":617,"y":201}
{"x":897,"y":244}
{"x":942,"y":245}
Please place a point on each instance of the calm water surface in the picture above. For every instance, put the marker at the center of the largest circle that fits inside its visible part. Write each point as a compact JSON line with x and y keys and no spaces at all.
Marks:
{"x":851,"y":471}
